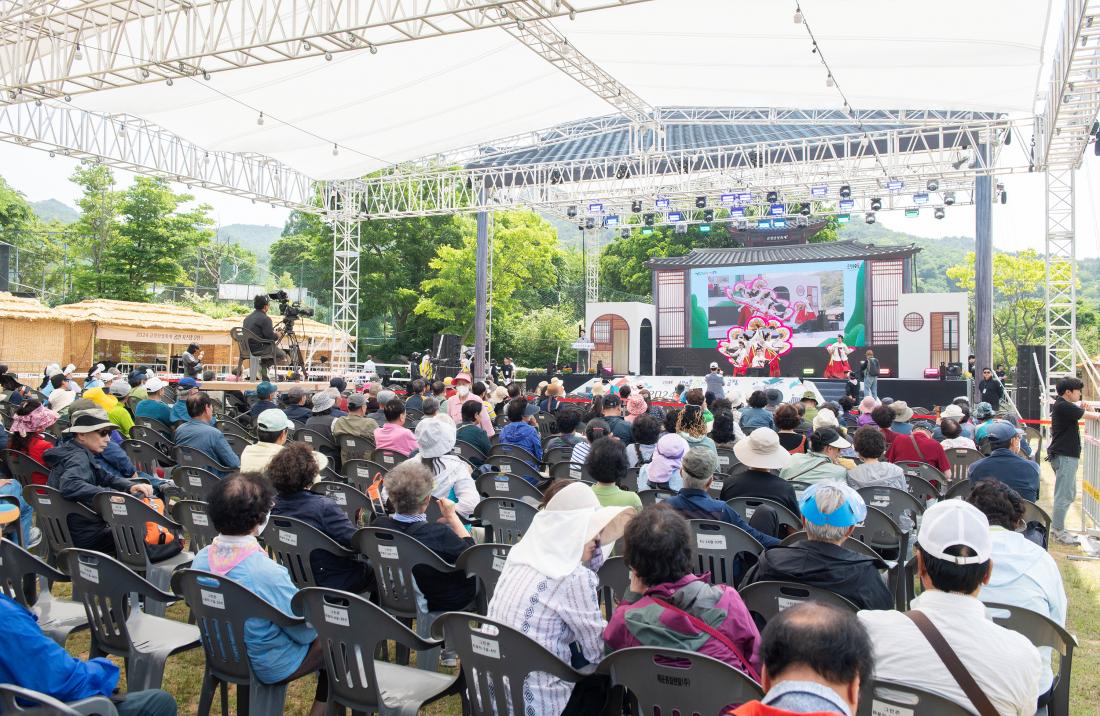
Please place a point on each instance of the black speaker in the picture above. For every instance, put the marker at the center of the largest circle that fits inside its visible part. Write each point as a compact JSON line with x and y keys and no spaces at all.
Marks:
{"x":954,"y":371}
{"x":1030,"y":389}
{"x":446,"y":347}
{"x":5,"y":262}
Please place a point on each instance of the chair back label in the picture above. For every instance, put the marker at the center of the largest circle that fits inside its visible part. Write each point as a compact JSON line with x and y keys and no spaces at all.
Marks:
{"x":485,"y":647}
{"x":507,"y":515}
{"x":338,"y":497}
{"x":710,"y":541}
{"x":498,"y":563}
{"x":717,"y":485}
{"x":784,"y":602}
{"x":387,"y":551}
{"x":337,"y":616}
{"x":575,"y":473}
{"x":45,"y":501}
{"x":214,"y":600}
{"x":195,"y":481}
{"x":363,"y":472}
{"x":723,"y":459}
{"x":388,"y":459}
{"x":506,"y":468}
{"x":288,"y":538}
{"x":749,"y":512}
{"x":118,"y":508}
{"x":878,"y":708}
{"x":200,"y":519}
{"x":308,"y":438}
{"x":90,"y":573}
{"x":501,"y":485}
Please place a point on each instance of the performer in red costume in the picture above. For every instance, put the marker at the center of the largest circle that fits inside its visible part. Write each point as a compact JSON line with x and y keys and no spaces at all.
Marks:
{"x":838,"y":360}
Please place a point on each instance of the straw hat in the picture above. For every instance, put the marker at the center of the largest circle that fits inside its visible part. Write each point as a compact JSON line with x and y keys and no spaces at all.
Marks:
{"x":761,"y":449}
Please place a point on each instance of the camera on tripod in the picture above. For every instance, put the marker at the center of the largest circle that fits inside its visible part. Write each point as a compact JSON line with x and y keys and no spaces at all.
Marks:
{"x":291,"y":311}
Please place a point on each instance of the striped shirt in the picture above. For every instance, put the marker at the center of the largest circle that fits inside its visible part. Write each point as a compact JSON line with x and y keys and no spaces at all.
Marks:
{"x":555,"y":613}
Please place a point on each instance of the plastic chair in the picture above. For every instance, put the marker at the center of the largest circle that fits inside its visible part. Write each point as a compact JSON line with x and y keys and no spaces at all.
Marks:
{"x":146,"y":456}
{"x":389,"y":458}
{"x":232,"y":427}
{"x":548,"y":424}
{"x":727,"y":460}
{"x":353,"y":447}
{"x":221,"y":607}
{"x":747,"y":506}
{"x":566,"y":471}
{"x":652,"y":497}
{"x":888,"y":697}
{"x":165,"y":431}
{"x":765,"y":600}
{"x":11,"y":695}
{"x":716,"y":545}
{"x":881,"y":533}
{"x":257,"y":359}
{"x":929,"y":473}
{"x":195,"y":518}
{"x":316,"y":440}
{"x":394,"y":556}
{"x":850,"y":544}
{"x":52,"y":512}
{"x":506,"y":520}
{"x":520,"y":453}
{"x":485,"y":562}
{"x":1034,"y":513}
{"x":961,"y":459}
{"x":614,"y":578}
{"x":237,"y":443}
{"x":194,"y":482}
{"x":351,"y":629}
{"x":106,"y":587}
{"x":498,"y":484}
{"x":1041,"y":631}
{"x":356,"y":505}
{"x":361,"y":473}
{"x":921,"y":488}
{"x":23,"y":466}
{"x":960,"y":490}
{"x":468,"y":451}
{"x":495,"y":661}
{"x":558,"y":454}
{"x":674,"y":681}
{"x":292,"y":543}
{"x":127,"y":516}
{"x":187,"y":456}
{"x":24,"y":578}
{"x":510,"y":465}
{"x":902,"y":507}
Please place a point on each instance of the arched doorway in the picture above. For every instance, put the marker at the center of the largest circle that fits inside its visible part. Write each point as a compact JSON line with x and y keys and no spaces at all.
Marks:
{"x":645,"y":347}
{"x":611,"y":334}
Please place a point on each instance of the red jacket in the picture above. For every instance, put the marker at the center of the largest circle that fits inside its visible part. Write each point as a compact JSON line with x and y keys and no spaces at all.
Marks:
{"x":755,"y":708}
{"x":918,"y":446}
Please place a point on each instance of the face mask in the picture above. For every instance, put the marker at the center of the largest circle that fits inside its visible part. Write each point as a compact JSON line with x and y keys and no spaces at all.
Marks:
{"x":463,"y":391}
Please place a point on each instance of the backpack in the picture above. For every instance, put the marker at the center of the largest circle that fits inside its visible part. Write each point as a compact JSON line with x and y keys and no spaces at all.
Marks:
{"x":160,"y":542}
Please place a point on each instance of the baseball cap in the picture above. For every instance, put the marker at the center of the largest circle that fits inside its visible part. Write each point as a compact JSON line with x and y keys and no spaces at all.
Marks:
{"x":831,"y":437}
{"x":357,"y":400}
{"x":851,"y":511}
{"x":953,"y":523}
{"x":1001,"y":432}
{"x":612,"y":401}
{"x":273,"y":420}
{"x":983,"y":410}
{"x":323,"y":401}
{"x":713,"y":365}
{"x":188,"y":382}
{"x":154,"y":384}
{"x":385,"y":396}
{"x":266,"y":389}
{"x":120,"y":390}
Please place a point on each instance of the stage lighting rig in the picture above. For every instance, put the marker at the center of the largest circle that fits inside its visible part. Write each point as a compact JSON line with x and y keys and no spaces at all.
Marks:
{"x":876,"y":204}
{"x":948,"y":198}
{"x":933,"y":185}
{"x":681,"y":228}
{"x":843,"y":218}
{"x":636,"y":206}
{"x":804,"y":210}
{"x":708,"y":215}
{"x":675,"y":216}
{"x":773,"y":197}
{"x":895,"y":185}
{"x":819,"y":192}
{"x":845,"y":191}
{"x":939,"y":212}
{"x":1002,"y":192}
{"x":704,"y":228}
{"x":847,"y":204}
{"x":912,"y":212}
{"x":738,"y":211}
{"x":920,"y":198}
{"x":869,"y":217}
{"x":571,"y":212}
{"x":590,"y":223}
{"x":700,"y":202}
{"x":649,"y":219}
{"x":625,"y":233}
{"x":661,"y":204}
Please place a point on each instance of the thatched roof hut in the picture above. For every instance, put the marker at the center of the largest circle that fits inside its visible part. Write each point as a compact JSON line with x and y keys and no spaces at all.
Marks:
{"x":31,"y":334}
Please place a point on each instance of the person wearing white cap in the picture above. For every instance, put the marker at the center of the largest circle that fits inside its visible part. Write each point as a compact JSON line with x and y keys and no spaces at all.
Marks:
{"x":93,"y":380}
{"x":450,"y":473}
{"x":548,"y":586}
{"x":153,"y":406}
{"x":61,"y":398}
{"x":716,"y":383}
{"x":819,"y":462}
{"x":954,"y":560}
{"x":761,"y":453}
{"x":272,"y":427}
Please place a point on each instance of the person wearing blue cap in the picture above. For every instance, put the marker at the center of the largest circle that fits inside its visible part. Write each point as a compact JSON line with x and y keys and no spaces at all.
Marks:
{"x":265,"y":399}
{"x":1005,"y":462}
{"x":186,"y":386}
{"x":830,"y":513}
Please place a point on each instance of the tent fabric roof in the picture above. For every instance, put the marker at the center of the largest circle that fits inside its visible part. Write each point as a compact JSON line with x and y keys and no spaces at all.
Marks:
{"x":24,"y":309}
{"x":829,"y":251}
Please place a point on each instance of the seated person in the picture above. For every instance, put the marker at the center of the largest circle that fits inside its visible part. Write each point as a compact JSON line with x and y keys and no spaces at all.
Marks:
{"x":199,"y":433}
{"x":79,"y":477}
{"x":761,"y":453}
{"x":567,"y":419}
{"x":954,"y":553}
{"x":295,"y":407}
{"x":153,"y":406}
{"x":324,"y":412}
{"x":1024,"y":573}
{"x":595,"y":429}
{"x":520,"y":431}
{"x":394,"y":435}
{"x":953,"y":436}
{"x":116,"y":411}
{"x":787,"y":421}
{"x":662,"y":472}
{"x":883,"y":418}
{"x":470,"y":431}
{"x":756,"y":415}
{"x":292,"y":472}
{"x":239,"y":507}
{"x":355,"y":424}
{"x":691,"y":425}
{"x":816,"y":658}
{"x":819,"y":462}
{"x":185,"y":388}
{"x":272,"y":429}
{"x":607,"y":465}
{"x":1005,"y":463}
{"x":830,"y":513}
{"x":694,"y":502}
{"x":983,"y":417}
{"x":902,"y":415}
{"x":666,"y":601}
{"x":267,"y":395}
{"x":646,"y":430}
{"x":548,"y":586}
{"x":450,"y":473}
{"x":919,"y":445}
{"x":870,"y":444}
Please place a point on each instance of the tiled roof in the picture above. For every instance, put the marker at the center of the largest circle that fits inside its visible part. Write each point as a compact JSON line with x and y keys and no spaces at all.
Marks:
{"x":828,"y":251}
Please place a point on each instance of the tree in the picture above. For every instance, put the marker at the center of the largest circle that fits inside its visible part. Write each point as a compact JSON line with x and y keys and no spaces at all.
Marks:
{"x":96,"y":231}
{"x":535,"y":338}
{"x":38,"y":260}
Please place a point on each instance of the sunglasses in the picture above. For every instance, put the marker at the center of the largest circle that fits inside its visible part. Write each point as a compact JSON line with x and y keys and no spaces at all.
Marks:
{"x":105,"y":432}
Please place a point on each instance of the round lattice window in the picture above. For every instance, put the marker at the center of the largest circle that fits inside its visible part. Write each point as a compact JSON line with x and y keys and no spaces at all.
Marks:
{"x":913,"y":322}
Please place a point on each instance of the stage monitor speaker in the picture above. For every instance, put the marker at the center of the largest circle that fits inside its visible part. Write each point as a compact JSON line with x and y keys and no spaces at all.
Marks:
{"x":955,"y":371}
{"x":1030,"y":390}
{"x":446,"y":347}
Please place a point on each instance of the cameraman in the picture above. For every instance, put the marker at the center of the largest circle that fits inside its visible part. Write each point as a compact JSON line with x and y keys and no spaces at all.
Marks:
{"x":259,"y":323}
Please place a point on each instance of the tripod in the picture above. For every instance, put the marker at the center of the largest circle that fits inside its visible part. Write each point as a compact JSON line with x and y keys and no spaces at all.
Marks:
{"x":293,"y":349}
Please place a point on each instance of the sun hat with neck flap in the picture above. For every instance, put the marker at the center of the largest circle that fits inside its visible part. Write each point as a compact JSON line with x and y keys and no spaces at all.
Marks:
{"x":761,"y":449}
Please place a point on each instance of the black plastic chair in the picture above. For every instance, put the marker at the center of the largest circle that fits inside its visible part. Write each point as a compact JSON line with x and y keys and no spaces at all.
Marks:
{"x":881,"y":533}
{"x":765,"y":600}
{"x":468,"y":451}
{"x":485,"y":562}
{"x":929,"y":473}
{"x":52,"y":513}
{"x":163,"y":430}
{"x":614,"y":578}
{"x":495,"y":661}
{"x":902,"y":507}
{"x":716,"y":546}
{"x":13,"y":699}
{"x":351,"y":629}
{"x":361,"y":473}
{"x":1041,"y":631}
{"x":356,"y":505}
{"x":106,"y":587}
{"x":509,"y":450}
{"x":506,"y":520}
{"x":319,"y":442}
{"x":194,"y":515}
{"x":747,"y":506}
{"x":187,"y":456}
{"x":146,"y":456}
{"x":24,"y":578}
{"x":1034,"y":513}
{"x":221,"y":607}
{"x":674,"y":681}
{"x":292,"y":543}
{"x":960,"y":490}
{"x":558,"y":454}
{"x":921,"y":488}
{"x":23,"y":466}
{"x":499,"y":484}
{"x":389,"y":458}
{"x":510,"y":465}
{"x":232,"y":427}
{"x":887,"y":697}
{"x":194,"y":482}
{"x":961,"y":459}
{"x":237,"y":443}
{"x":652,"y":497}
{"x":547,"y":423}
{"x":353,"y":447}
{"x":727,"y":461}
{"x":566,"y":471}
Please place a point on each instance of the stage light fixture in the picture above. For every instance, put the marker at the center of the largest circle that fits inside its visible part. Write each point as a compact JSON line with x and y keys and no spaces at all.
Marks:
{"x":797,"y":15}
{"x":328,"y":56}
{"x":625,"y":233}
{"x":808,"y":371}
{"x":843,"y":218}
{"x":335,"y":150}
{"x":780,"y":223}
{"x":912,"y":212}
{"x":958,"y":163}
{"x":675,"y":216}
{"x":595,"y":208}
{"x":649,"y":219}
{"x":742,"y":225}
{"x":876,"y":204}
{"x":949,"y":198}
{"x":829,"y":81}
{"x":700,"y":202}
{"x":800,"y":221}
{"x":681,"y":228}
{"x":777,"y":209}
{"x":920,"y":198}
{"x":728,"y":199}
{"x":79,"y":55}
{"x":661,"y":203}
{"x":737,"y":211}
{"x":1096,"y":147}
{"x":939,"y":212}
{"x":773,"y":196}
{"x":744,"y":197}
{"x":571,"y":212}
{"x":764,"y":224}
{"x":590,"y":223}
{"x":708,"y":215}
{"x":612,"y":220}
{"x":845,"y":191}
{"x":847,"y":204}
{"x":804,"y":210}
{"x":869,"y":217}
{"x":819,"y":192}
{"x":636,"y":206}
{"x":895,"y":185}
{"x":704,"y":228}
{"x":933,"y":185}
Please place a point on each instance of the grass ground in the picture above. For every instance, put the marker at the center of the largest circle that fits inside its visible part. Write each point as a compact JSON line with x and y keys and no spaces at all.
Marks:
{"x":183,"y":675}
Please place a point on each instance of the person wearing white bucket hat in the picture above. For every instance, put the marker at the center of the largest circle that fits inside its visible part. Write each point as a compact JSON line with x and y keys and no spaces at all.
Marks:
{"x":435,"y":440}
{"x":761,"y":453}
{"x":548,"y":586}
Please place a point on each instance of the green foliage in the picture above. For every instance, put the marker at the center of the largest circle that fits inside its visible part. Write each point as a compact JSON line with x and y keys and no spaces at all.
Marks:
{"x":39,"y":260}
{"x":534,"y":338}
{"x":96,"y":231}
{"x":211,"y":306}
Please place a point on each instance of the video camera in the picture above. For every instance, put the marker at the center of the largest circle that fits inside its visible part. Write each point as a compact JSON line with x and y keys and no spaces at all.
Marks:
{"x":291,"y":311}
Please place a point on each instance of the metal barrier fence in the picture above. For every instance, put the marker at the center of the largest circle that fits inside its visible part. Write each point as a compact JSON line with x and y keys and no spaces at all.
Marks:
{"x":1090,"y":479}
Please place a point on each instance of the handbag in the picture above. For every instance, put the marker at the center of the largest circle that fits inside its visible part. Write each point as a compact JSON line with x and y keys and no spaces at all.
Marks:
{"x":951,"y":660}
{"x":726,"y":641}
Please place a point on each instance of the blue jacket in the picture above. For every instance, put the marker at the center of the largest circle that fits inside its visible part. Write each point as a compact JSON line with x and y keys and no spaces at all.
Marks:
{"x":752,"y":418}
{"x":299,"y":413}
{"x":179,"y":412}
{"x":156,"y":409}
{"x":324,"y":514}
{"x":205,"y":437}
{"x":698,"y":505}
{"x":275,"y":652}
{"x":260,"y":406}
{"x":38,"y":663}
{"x":523,"y":435}
{"x":1011,"y":469}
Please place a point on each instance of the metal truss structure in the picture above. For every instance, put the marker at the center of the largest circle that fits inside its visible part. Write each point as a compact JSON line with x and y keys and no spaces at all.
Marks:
{"x":345,"y":223}
{"x":50,"y":48}
{"x":1061,"y":275}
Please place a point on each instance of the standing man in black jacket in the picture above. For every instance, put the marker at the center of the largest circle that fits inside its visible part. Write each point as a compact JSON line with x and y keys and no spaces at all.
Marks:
{"x":1064,"y":451}
{"x":991,"y":389}
{"x":259,"y":324}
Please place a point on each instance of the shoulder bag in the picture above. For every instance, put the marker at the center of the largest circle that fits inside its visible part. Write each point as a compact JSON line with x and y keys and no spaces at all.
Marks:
{"x":951,"y":660}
